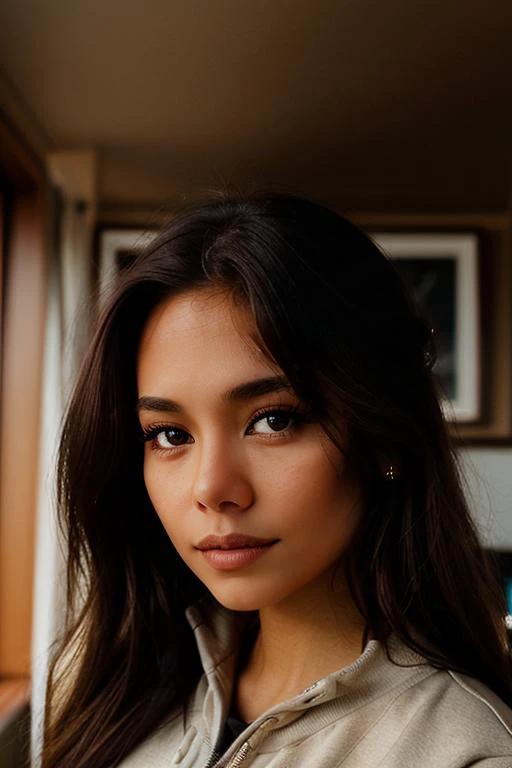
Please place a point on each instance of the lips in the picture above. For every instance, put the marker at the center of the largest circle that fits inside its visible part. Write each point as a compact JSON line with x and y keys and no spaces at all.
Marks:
{"x":232,"y":541}
{"x":233,"y":552}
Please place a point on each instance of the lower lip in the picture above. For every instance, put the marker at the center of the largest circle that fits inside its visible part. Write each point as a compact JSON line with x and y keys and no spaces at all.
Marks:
{"x":231,"y":559}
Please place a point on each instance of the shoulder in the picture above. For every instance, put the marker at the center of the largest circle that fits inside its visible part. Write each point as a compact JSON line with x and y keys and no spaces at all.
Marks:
{"x":447,"y":712}
{"x":472,"y":699}
{"x":477,"y":701}
{"x":443,"y":700}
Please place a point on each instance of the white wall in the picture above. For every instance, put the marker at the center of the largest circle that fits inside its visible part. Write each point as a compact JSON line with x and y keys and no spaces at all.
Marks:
{"x":489,"y":477}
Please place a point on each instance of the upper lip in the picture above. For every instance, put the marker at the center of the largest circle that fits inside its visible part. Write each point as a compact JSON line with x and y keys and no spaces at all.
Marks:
{"x":232,"y":541}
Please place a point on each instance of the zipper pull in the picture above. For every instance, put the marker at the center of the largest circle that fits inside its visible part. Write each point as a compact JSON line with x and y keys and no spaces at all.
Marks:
{"x":252,"y":742}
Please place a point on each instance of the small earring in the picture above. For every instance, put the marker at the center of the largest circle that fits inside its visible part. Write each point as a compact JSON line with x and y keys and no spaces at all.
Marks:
{"x":390,"y":474}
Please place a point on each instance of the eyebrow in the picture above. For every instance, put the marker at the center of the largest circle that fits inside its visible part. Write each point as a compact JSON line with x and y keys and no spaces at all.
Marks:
{"x":241,"y":393}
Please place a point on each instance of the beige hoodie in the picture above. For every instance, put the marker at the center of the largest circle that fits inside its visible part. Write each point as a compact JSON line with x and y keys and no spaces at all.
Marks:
{"x":371,"y":714}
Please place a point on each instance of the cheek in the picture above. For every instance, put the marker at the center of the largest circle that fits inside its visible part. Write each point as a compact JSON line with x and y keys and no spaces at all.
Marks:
{"x":322,"y":483}
{"x":167,"y":496}
{"x":331,"y":509}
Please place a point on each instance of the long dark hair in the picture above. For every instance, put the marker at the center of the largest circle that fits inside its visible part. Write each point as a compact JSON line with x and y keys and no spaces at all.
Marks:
{"x":334,"y":316}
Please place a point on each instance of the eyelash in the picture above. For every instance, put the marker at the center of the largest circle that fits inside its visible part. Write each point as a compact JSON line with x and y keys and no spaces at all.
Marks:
{"x":151,"y":432}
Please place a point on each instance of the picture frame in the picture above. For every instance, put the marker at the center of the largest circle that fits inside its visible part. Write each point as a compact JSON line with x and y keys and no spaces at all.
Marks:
{"x":115,"y":242}
{"x":442,"y":271}
{"x":116,"y":248}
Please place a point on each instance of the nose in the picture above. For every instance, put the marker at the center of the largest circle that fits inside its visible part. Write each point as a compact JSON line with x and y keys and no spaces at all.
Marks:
{"x":222,"y":480}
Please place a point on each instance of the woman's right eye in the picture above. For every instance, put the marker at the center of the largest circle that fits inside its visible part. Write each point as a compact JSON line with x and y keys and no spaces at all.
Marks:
{"x":168,"y":438}
{"x":172,"y":437}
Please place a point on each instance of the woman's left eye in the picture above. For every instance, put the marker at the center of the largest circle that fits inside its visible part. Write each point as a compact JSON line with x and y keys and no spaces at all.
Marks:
{"x":273,"y":422}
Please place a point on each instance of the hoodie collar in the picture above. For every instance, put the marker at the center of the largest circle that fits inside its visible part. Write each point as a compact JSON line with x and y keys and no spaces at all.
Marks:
{"x":218,"y":632}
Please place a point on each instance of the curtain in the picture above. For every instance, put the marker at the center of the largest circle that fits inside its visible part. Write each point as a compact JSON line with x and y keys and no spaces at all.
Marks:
{"x":67,"y":328}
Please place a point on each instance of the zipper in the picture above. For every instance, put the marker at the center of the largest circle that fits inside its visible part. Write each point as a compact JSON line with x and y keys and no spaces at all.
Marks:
{"x":240,"y":756}
{"x":216,"y":758}
{"x":213,"y":760}
{"x":218,"y":761}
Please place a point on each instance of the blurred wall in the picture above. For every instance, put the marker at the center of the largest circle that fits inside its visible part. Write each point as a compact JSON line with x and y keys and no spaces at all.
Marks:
{"x":489,"y":476}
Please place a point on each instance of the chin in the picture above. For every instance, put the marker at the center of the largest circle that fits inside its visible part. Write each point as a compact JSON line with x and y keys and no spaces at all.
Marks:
{"x":236,"y":602}
{"x":237,"y":597}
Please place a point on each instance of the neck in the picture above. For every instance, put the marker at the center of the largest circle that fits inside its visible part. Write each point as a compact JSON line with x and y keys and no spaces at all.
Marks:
{"x":299,"y":641}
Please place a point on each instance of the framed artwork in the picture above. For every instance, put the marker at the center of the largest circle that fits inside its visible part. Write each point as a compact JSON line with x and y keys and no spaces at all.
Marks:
{"x":116,"y":249}
{"x":460,"y":267}
{"x":442,"y":271}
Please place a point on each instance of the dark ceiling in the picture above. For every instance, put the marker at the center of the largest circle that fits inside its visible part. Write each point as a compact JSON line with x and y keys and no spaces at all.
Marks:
{"x":403,"y":104}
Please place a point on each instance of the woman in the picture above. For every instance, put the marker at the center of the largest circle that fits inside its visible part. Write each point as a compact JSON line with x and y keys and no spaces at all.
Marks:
{"x":271,"y":562}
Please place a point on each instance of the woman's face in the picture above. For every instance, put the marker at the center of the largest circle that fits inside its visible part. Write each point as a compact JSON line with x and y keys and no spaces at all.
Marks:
{"x":254,"y":497}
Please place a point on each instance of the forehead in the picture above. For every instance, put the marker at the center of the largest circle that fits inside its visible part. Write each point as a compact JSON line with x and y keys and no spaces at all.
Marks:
{"x":199,"y":338}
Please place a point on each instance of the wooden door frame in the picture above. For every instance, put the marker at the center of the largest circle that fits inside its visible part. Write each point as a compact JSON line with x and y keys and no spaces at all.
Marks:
{"x":24,"y":296}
